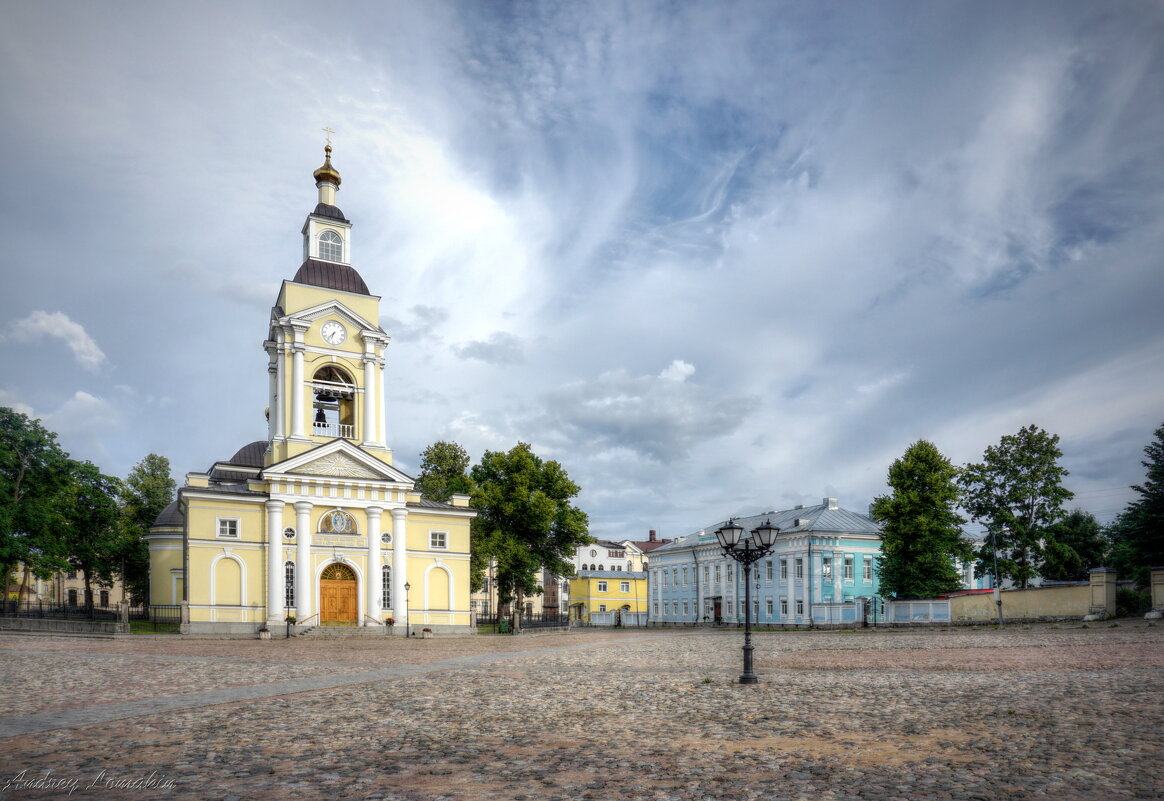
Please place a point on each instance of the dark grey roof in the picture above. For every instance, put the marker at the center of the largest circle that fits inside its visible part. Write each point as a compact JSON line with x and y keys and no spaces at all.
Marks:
{"x":170,"y":516}
{"x":619,"y":574}
{"x":329,"y":275}
{"x":331,"y":212}
{"x":425,"y":503}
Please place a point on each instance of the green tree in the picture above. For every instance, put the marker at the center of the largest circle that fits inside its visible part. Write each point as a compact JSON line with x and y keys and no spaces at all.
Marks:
{"x":1016,"y":493}
{"x":444,"y":472}
{"x":146,"y":491}
{"x":525,"y":521}
{"x":1075,"y":545}
{"x":32,"y":473}
{"x":88,"y":517}
{"x":1137,"y":534}
{"x":921,"y":532}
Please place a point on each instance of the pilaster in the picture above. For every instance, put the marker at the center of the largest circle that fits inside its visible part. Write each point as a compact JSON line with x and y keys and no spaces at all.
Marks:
{"x":374,"y":572}
{"x":303,"y":571}
{"x":275,"y":597}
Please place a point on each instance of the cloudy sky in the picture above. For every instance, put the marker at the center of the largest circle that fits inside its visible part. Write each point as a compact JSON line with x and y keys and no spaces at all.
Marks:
{"x":715,"y":258}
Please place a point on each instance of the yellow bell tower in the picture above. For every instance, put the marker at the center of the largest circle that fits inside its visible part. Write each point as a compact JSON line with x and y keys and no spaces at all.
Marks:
{"x":325,"y":347}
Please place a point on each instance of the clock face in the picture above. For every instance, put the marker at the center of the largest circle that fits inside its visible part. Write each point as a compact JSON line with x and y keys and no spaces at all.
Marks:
{"x":333,"y":333}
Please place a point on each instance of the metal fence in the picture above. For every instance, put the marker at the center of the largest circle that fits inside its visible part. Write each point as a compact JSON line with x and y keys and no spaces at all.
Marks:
{"x":57,"y":611}
{"x":159,"y":619}
{"x":529,"y":620}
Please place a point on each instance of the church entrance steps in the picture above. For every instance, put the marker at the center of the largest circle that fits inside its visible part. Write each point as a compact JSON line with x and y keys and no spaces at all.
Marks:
{"x":344,"y":631}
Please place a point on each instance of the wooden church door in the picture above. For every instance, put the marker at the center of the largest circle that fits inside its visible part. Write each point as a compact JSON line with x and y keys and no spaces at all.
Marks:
{"x":337,"y":596}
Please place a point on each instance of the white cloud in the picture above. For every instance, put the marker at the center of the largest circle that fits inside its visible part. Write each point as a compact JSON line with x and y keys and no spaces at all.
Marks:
{"x":56,"y":325}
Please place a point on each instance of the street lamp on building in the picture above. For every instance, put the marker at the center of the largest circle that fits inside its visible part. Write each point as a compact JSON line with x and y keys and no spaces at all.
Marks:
{"x":747,"y":551}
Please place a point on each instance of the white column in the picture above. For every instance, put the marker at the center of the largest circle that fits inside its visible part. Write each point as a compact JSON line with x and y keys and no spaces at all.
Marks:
{"x":381,"y":411}
{"x":297,"y":391}
{"x":806,"y":583}
{"x":278,"y":414}
{"x":272,"y":400}
{"x":399,"y":564}
{"x":303,"y":584}
{"x":839,"y":574}
{"x":370,"y":400}
{"x":374,"y":573}
{"x":275,"y":562}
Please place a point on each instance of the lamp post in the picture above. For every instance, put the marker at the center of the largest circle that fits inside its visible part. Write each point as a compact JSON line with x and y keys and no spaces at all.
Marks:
{"x":747,"y":551}
{"x":407,"y":631}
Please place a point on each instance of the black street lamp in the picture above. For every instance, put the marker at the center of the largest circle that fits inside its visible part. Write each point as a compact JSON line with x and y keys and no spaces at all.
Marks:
{"x":407,"y":587}
{"x":747,"y":551}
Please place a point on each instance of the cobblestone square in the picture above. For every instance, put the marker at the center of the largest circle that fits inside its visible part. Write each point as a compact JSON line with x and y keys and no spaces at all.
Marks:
{"x":1063,"y":712}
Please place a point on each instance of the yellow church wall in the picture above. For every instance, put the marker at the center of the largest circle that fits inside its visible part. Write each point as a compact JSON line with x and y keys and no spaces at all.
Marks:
{"x":165,"y":557}
{"x":294,"y":298}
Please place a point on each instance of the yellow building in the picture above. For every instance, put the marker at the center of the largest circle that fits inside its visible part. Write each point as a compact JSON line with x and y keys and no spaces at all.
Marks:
{"x":314,"y":521}
{"x":607,"y":597}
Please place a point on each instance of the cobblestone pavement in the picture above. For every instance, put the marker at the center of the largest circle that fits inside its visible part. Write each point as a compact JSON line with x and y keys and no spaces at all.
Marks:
{"x":1051,"y":712}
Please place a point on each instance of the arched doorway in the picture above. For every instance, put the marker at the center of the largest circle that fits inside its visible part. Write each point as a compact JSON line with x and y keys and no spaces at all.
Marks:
{"x":338,"y":604}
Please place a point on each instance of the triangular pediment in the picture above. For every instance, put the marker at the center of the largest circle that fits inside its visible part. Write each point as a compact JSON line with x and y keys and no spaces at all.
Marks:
{"x":338,"y":459}
{"x":337,"y":309}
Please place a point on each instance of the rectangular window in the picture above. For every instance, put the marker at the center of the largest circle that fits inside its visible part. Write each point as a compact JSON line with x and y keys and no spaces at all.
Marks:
{"x":826,"y":568}
{"x":104,"y":598}
{"x":675,"y":576}
{"x":729,"y":607}
{"x":756,"y":609}
{"x":686,"y":609}
{"x":769,"y":567}
{"x":783,"y":569}
{"x":800,"y":568}
{"x":729,"y":572}
{"x":784,"y":607}
{"x":438,"y":540}
{"x":717,"y":574}
{"x":868,"y":572}
{"x":848,"y":568}
{"x":602,"y":607}
{"x":289,"y":586}
{"x":799,"y":606}
{"x":228,"y":528}
{"x":666,"y":578}
{"x":655,"y":608}
{"x":706,"y":575}
{"x":769,"y":607}
{"x":386,"y":588}
{"x":675,"y":608}
{"x":685,"y":577}
{"x":624,"y":586}
{"x":602,"y":586}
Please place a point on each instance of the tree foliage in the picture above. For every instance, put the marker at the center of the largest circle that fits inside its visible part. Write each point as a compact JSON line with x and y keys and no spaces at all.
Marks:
{"x":32,"y":473}
{"x":921,"y":531}
{"x":1016,"y":493}
{"x":525,"y":520}
{"x":146,"y":491}
{"x":88,"y":518}
{"x":1137,"y":534}
{"x":444,"y":472}
{"x":1074,"y":546}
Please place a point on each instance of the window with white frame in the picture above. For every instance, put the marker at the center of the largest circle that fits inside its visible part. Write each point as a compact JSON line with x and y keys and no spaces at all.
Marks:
{"x":331,"y":246}
{"x":729,"y":572}
{"x":289,"y":585}
{"x":799,"y":606}
{"x":602,"y":607}
{"x":684,"y":576}
{"x":756,"y":608}
{"x":783,"y":607}
{"x":706,"y":574}
{"x":675,"y":609}
{"x":438,"y":540}
{"x":800,"y":568}
{"x":602,"y":586}
{"x":848,"y":568}
{"x":867,"y":574}
{"x":666,"y":578}
{"x":769,"y":607}
{"x":655,"y":608}
{"x":770,"y":568}
{"x":228,"y":528}
{"x":717,"y":574}
{"x":783,"y":569}
{"x":686,"y":609}
{"x":826,"y":568}
{"x":624,"y":586}
{"x":386,"y":587}
{"x":730,"y":606}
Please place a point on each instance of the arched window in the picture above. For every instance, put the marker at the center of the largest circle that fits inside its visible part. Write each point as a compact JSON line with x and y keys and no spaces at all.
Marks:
{"x":335,"y":399}
{"x":386,"y":587}
{"x":331,"y":247}
{"x":289,"y":585}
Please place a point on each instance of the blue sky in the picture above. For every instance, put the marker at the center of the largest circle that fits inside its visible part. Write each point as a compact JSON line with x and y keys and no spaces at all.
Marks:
{"x":714,"y":258}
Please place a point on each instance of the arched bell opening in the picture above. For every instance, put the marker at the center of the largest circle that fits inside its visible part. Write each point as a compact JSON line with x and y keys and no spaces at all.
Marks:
{"x":334,"y":404}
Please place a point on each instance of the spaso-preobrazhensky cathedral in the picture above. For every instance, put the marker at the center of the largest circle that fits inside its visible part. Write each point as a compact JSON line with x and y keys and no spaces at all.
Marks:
{"x":314,"y":521}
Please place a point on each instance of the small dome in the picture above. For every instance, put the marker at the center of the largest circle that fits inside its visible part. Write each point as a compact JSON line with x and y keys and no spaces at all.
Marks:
{"x":330,"y":275}
{"x":251,"y":454}
{"x":170,"y":516}
{"x":327,"y":172}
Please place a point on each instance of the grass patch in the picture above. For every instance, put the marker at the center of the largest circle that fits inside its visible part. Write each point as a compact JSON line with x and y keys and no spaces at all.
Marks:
{"x":146,"y":627}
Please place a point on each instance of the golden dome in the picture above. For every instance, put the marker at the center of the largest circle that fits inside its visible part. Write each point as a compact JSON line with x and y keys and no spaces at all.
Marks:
{"x":327,"y":172}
